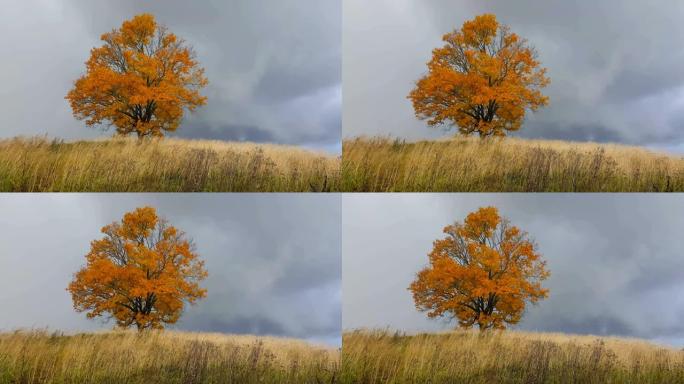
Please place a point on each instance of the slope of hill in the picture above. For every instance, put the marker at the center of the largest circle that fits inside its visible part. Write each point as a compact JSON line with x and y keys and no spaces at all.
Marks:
{"x":505,"y":165}
{"x":505,"y":357}
{"x":162,"y":357}
{"x":168,"y":165}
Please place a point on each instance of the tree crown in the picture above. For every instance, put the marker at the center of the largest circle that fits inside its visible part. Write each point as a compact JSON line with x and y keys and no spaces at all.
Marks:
{"x":482,"y":273}
{"x":140,"y":81}
{"x":482,"y":80}
{"x":142,"y":272}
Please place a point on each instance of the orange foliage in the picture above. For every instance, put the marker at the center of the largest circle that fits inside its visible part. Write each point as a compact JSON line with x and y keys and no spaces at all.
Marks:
{"x":482,"y":80}
{"x":482,"y":273}
{"x":141,"y":273}
{"x":140,"y":81}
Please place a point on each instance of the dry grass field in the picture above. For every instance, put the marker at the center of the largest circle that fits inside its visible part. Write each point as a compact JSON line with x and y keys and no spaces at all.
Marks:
{"x":168,"y":165}
{"x":162,"y":357}
{"x":508,"y":357}
{"x":505,"y":165}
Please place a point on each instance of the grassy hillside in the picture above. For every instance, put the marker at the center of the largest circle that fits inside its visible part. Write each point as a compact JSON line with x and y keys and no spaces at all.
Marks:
{"x":509,"y":357}
{"x":162,"y":357}
{"x":169,"y":165}
{"x":505,"y":165}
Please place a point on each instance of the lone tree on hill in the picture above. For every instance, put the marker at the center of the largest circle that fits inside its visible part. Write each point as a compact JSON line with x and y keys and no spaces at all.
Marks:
{"x":482,"y":273}
{"x":482,"y":80}
{"x":140,"y":81}
{"x":141,"y":273}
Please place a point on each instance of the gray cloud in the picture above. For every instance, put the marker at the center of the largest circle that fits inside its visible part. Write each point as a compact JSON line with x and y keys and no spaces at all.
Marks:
{"x":273,"y":260}
{"x":614,"y":259}
{"x":615,"y":75}
{"x":274,"y":67}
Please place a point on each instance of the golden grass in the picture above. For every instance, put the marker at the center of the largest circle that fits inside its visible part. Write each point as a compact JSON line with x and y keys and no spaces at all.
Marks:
{"x":470,"y":164}
{"x":168,"y":165}
{"x":505,"y":357}
{"x":162,"y":357}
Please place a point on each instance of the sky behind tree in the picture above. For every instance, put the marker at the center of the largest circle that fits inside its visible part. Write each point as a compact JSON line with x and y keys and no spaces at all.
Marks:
{"x":273,"y":260}
{"x":615,"y":260}
{"x":274,"y":66}
{"x":615,"y":76}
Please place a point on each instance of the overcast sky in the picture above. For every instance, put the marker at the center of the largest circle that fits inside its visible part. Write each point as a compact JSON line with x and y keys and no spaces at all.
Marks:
{"x":616,"y":261}
{"x":616,"y":73}
{"x":274,"y":66}
{"x":273,"y":260}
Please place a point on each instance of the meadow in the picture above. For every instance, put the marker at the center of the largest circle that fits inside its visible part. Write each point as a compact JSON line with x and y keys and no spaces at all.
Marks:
{"x":470,"y":164}
{"x":162,"y":357}
{"x":167,"y":165}
{"x":381,"y":356}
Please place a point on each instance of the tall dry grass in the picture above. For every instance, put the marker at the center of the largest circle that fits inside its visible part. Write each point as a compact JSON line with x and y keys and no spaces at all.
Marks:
{"x":505,"y":165}
{"x":168,"y":165}
{"x":162,"y":357}
{"x":508,"y":357}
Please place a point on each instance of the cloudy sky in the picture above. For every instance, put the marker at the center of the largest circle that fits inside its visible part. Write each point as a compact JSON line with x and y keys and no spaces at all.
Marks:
{"x":615,"y":74}
{"x":274,"y":66}
{"x":615,"y":260}
{"x":273,"y":260}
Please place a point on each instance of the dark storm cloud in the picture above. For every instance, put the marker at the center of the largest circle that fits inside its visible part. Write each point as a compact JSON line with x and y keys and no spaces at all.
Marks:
{"x":615,"y":72}
{"x":600,"y":325}
{"x":575,"y":132}
{"x":273,"y":260}
{"x":615,"y":260}
{"x":229,"y":132}
{"x":274,"y":67}
{"x":243,"y":325}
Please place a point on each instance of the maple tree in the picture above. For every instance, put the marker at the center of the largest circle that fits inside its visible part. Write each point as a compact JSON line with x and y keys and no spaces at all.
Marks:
{"x":142,"y":272}
{"x":483,"y":273}
{"x":482,"y":80}
{"x":140,"y":81}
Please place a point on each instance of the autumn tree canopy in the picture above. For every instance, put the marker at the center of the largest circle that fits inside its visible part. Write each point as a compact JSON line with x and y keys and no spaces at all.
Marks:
{"x":482,"y":80}
{"x":482,"y":273}
{"x":140,"y":81}
{"x":142,"y":272}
